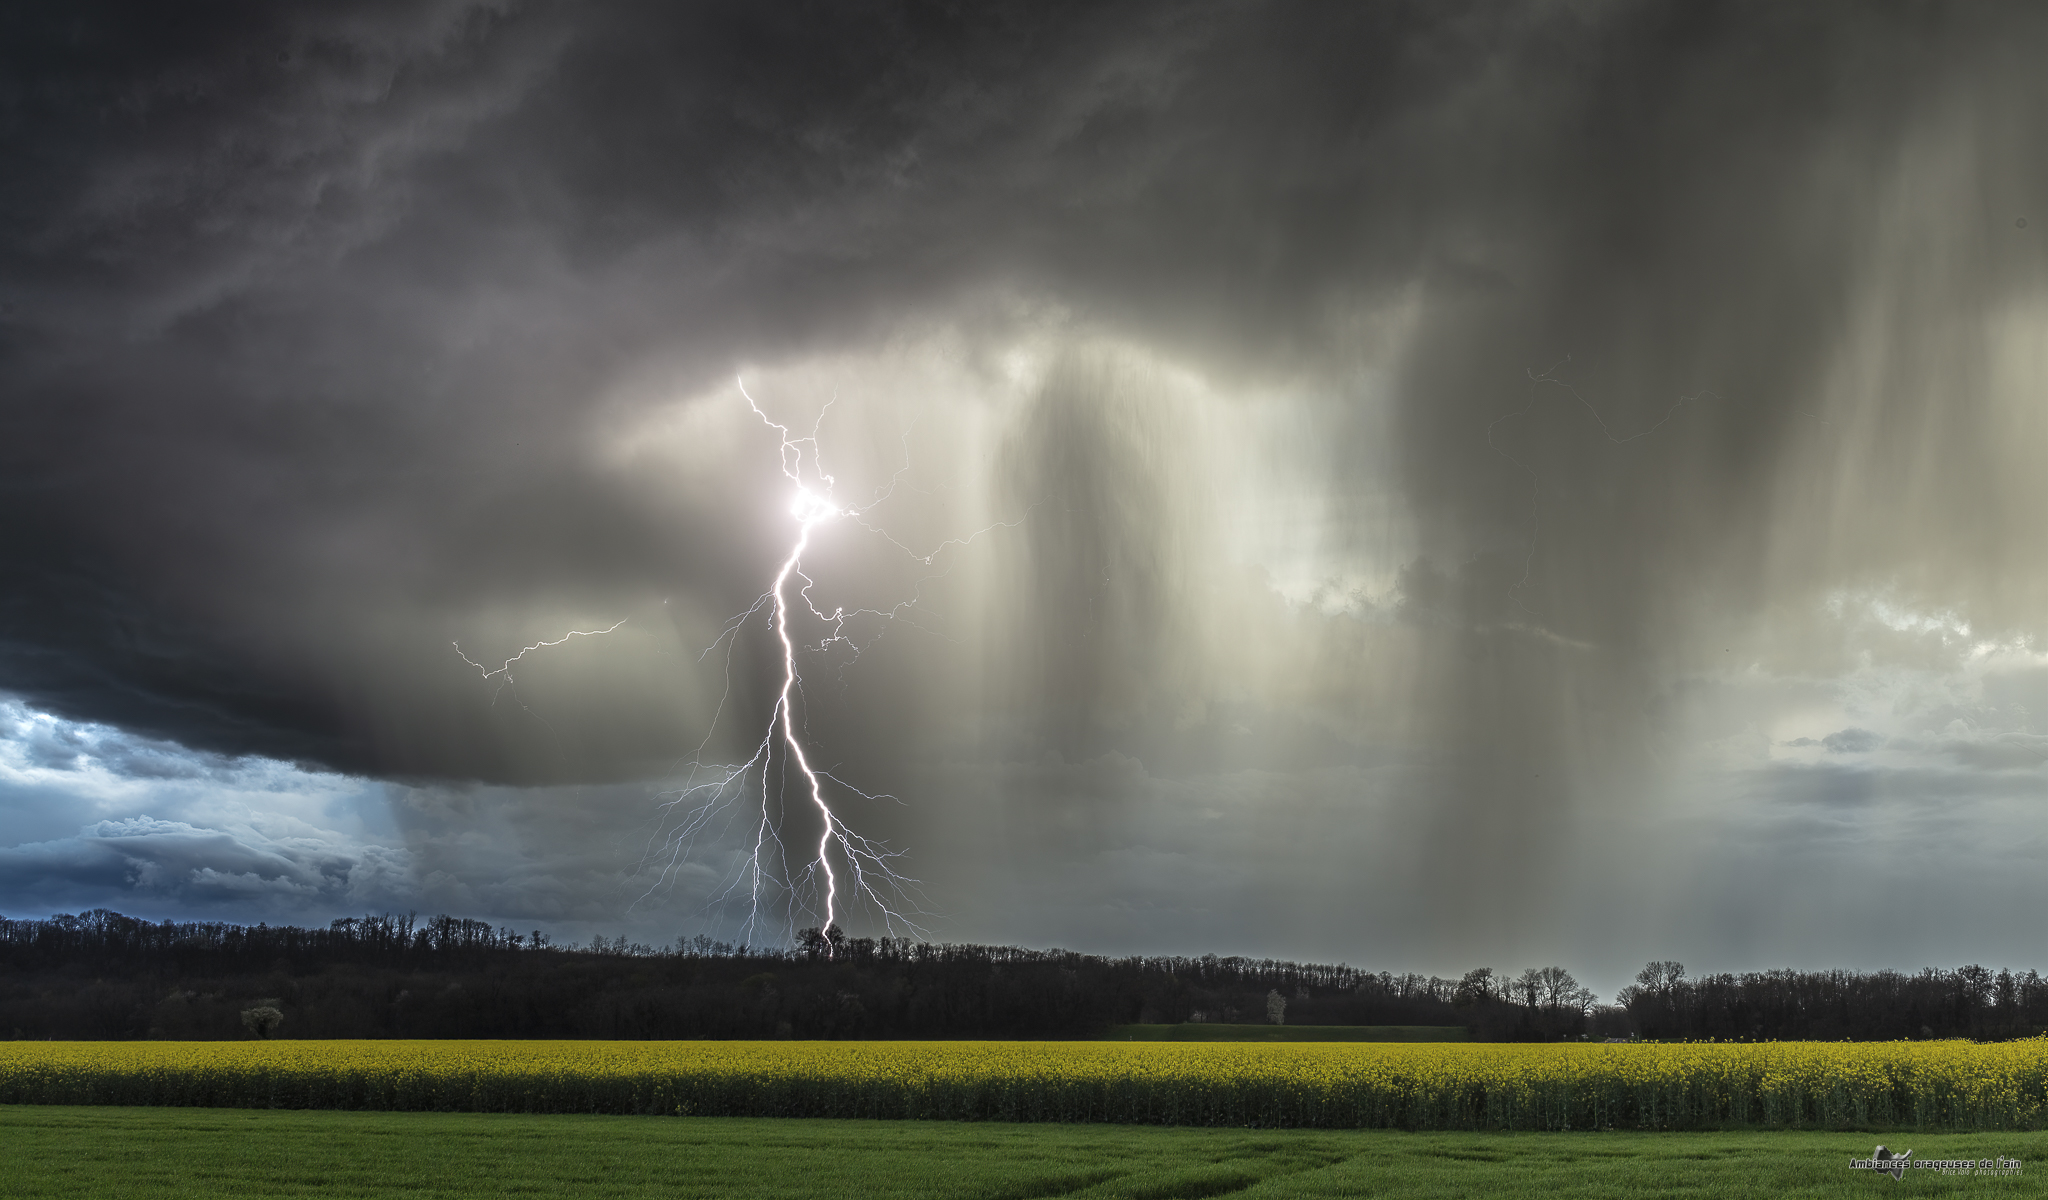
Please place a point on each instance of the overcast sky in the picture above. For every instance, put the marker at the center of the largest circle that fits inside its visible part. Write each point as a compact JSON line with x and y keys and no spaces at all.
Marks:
{"x":1424,"y":485}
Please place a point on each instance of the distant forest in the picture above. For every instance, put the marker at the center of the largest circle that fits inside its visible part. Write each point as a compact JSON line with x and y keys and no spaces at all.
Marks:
{"x":101,"y":975}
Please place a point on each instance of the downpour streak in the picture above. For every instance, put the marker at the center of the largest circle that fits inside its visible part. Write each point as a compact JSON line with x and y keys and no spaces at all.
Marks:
{"x":1550,"y":376}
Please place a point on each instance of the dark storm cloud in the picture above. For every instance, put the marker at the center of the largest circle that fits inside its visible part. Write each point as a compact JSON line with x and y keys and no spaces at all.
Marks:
{"x":306,"y":317}
{"x":308,"y":313}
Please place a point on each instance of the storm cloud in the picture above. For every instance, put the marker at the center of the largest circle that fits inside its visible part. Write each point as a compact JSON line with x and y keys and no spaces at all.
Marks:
{"x":1398,"y":459}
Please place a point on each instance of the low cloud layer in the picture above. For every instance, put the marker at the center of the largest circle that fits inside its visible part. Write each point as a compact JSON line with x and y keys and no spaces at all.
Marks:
{"x":104,"y":818}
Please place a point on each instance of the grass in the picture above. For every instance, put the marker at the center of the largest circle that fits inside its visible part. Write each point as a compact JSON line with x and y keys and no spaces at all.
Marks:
{"x":164,"y":1154}
{"x":1206,"y":1032}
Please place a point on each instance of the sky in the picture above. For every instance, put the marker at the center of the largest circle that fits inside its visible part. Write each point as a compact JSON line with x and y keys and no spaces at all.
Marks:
{"x":1422,"y":485}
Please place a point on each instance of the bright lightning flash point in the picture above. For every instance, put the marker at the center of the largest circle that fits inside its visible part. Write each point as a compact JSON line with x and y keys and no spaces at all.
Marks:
{"x":780,"y":762}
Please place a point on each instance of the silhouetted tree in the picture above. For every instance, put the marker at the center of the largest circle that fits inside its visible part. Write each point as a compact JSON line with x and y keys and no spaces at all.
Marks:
{"x":263,"y":1019}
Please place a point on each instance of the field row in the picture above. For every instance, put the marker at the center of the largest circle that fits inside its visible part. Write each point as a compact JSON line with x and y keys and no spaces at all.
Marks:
{"x":209,"y":1153}
{"x":1790,"y":1085}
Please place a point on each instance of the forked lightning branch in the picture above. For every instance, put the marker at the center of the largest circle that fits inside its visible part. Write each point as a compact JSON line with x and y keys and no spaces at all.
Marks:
{"x":798,"y":859}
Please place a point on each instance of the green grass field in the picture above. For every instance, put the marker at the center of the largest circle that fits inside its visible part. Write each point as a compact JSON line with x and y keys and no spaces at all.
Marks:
{"x":1207,"y":1032}
{"x":164,"y":1153}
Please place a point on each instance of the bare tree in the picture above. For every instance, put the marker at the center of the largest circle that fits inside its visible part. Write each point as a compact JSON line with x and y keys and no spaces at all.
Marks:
{"x":1477,"y":987}
{"x":1558,"y":988}
{"x":1661,"y":976}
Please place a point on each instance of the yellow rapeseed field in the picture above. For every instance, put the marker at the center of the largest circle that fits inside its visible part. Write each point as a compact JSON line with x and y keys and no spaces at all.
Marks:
{"x":1950,"y":1085}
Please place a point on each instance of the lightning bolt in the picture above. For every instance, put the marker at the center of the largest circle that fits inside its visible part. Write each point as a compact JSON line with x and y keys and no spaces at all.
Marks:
{"x":503,"y":672}
{"x":713,"y":796}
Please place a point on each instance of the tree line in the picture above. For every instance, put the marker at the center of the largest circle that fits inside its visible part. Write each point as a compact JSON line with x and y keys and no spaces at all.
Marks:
{"x":102,"y":975}
{"x":1967,"y":1002}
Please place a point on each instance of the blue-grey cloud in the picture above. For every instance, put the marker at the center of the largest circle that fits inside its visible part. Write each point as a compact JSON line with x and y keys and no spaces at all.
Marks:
{"x":182,"y":832}
{"x":142,"y":864}
{"x":1852,"y":741}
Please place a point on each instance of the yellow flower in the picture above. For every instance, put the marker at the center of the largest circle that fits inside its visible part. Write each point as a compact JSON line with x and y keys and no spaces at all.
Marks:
{"x":1415,"y":1086}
